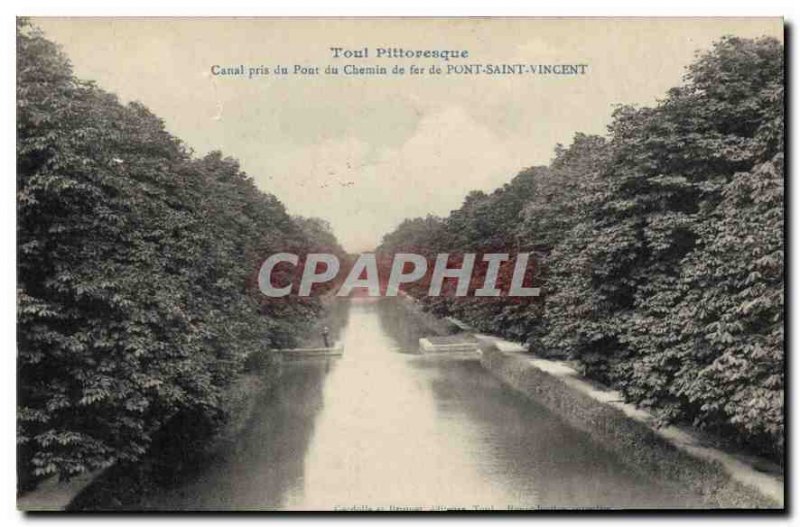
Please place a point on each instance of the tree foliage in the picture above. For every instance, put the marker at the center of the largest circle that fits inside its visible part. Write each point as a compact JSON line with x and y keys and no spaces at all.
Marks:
{"x":660,"y":248}
{"x":136,"y":271}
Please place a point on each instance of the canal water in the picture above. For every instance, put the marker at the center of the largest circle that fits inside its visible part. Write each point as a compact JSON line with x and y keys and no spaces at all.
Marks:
{"x":385,"y":427}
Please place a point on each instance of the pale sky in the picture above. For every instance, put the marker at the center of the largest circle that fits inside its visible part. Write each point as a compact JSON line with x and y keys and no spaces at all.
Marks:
{"x":366,"y":152}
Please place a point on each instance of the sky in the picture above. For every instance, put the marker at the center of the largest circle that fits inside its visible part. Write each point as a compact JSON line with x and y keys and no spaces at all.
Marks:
{"x":365,"y":152}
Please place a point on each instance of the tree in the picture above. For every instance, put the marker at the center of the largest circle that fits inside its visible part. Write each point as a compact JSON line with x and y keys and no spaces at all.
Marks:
{"x":136,"y":264}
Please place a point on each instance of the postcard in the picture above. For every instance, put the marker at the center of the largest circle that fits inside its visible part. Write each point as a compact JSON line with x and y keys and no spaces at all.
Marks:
{"x":400,"y":264}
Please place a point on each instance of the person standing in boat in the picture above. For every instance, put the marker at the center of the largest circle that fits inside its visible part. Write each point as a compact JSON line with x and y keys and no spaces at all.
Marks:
{"x":325,"y":334}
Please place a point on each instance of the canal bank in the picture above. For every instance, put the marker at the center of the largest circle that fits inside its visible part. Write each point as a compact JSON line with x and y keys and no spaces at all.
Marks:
{"x":120,"y":486}
{"x":683,"y":458}
{"x":178,"y":451}
{"x":181,"y":448}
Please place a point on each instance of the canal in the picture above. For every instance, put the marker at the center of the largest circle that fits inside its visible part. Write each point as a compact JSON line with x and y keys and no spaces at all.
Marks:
{"x":385,"y":427}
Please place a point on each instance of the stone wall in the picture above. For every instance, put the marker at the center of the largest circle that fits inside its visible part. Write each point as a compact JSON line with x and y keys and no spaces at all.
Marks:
{"x":673,"y":455}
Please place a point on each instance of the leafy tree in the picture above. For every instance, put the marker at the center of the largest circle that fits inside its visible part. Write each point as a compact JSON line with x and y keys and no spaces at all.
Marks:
{"x":136,"y":262}
{"x":560,"y":219}
{"x":657,"y":259}
{"x":659,"y":248}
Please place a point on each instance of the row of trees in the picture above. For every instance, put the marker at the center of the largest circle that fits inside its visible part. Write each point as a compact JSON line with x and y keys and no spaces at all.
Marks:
{"x":660,"y":248}
{"x":137,"y":267}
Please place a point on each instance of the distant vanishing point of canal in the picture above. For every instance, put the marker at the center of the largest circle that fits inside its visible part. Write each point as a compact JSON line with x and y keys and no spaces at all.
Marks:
{"x":383,"y":427}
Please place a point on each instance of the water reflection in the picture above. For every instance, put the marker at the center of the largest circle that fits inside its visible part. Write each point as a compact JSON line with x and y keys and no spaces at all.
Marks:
{"x":400,"y":324}
{"x":380,"y":441}
{"x":382,"y":428}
